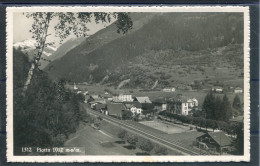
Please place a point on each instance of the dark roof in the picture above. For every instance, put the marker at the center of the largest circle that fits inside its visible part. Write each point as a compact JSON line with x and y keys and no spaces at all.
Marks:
{"x":159,"y":101}
{"x":220,"y":138}
{"x":100,"y":106}
{"x":137,"y":104}
{"x":115,"y":109}
{"x":147,"y":106}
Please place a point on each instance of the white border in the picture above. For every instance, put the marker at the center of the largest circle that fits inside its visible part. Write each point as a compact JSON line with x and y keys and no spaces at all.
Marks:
{"x":9,"y":85}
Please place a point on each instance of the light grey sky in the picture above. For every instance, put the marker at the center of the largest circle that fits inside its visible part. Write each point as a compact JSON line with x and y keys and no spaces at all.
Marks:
{"x":22,"y":25}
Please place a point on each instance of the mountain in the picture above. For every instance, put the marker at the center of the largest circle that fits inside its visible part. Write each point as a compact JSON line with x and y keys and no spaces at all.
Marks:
{"x":174,"y":48}
{"x":28,"y":48}
{"x":98,"y":39}
{"x":65,"y":47}
{"x":28,"y":45}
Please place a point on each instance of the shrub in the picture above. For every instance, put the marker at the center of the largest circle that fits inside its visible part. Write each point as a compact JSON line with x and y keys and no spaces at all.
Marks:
{"x":122,"y":134}
{"x":145,"y":145}
{"x":158,"y":150}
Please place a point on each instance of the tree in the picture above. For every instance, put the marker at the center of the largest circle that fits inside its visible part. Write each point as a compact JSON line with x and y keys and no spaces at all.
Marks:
{"x":122,"y":135}
{"x":212,"y":124}
{"x":160,"y":150}
{"x":145,"y":145}
{"x":68,"y":23}
{"x":218,"y":111}
{"x":239,"y":141}
{"x":208,"y":105}
{"x":126,"y":115}
{"x":47,"y":113}
{"x":132,"y":139}
{"x":237,"y":103}
{"x":227,"y":108}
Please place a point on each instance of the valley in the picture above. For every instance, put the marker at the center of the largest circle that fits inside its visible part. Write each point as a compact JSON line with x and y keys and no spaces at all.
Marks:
{"x":170,"y":81}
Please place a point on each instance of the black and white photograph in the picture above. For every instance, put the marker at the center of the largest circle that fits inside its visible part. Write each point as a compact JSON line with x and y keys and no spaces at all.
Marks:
{"x":136,"y":84}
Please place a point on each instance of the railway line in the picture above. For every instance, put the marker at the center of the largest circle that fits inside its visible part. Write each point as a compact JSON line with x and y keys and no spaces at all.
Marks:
{"x":154,"y":136}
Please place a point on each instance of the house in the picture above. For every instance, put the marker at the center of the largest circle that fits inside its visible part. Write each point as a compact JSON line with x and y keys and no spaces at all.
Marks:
{"x":100,"y":101}
{"x":116,"y":109}
{"x":192,"y":103}
{"x":100,"y":107}
{"x":122,"y":98}
{"x":88,"y":99}
{"x":160,"y":104}
{"x":79,"y":92}
{"x":106,"y":96}
{"x":182,"y":108}
{"x":217,"y":89}
{"x":214,"y":141}
{"x":95,"y":97}
{"x":95,"y":102}
{"x":237,"y":119}
{"x":143,"y":99}
{"x":75,"y":87}
{"x":238,"y":90}
{"x":85,"y":93}
{"x":168,"y":90}
{"x":145,"y":102}
{"x":136,"y":108}
{"x":92,"y":104}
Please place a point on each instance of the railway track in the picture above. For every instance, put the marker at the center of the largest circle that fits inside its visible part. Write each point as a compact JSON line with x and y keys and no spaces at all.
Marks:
{"x":186,"y":150}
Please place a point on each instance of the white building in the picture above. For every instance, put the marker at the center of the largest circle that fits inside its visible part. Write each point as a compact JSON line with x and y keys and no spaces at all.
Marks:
{"x":192,"y":102}
{"x":168,"y":90}
{"x":85,"y":93}
{"x":136,"y":110}
{"x":123,"y":98}
{"x":75,"y":87}
{"x":182,"y":108}
{"x":164,"y":106}
{"x":217,"y":89}
{"x":238,"y":90}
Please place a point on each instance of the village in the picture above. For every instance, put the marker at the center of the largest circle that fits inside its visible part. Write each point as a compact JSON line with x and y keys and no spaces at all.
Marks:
{"x":168,"y":114}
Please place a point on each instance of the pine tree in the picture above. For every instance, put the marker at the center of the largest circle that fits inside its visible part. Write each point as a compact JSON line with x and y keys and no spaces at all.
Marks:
{"x":227,"y":110}
{"x":208,"y":106}
{"x":236,"y":103}
{"x":218,"y":109}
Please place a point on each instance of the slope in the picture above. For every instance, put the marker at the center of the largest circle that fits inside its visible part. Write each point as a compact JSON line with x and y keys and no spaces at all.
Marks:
{"x":201,"y":41}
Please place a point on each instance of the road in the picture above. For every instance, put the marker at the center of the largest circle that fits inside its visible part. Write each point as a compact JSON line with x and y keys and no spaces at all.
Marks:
{"x":150,"y":133}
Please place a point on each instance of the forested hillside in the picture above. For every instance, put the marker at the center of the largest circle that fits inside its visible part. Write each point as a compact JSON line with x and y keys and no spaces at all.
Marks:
{"x":47,"y":113}
{"x":167,"y":47}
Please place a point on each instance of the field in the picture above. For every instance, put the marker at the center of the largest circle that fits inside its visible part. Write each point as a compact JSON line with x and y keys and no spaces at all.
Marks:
{"x":169,"y":129}
{"x":98,"y":142}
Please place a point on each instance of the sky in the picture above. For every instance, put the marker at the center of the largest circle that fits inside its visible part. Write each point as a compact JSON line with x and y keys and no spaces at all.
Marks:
{"x":22,"y":25}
